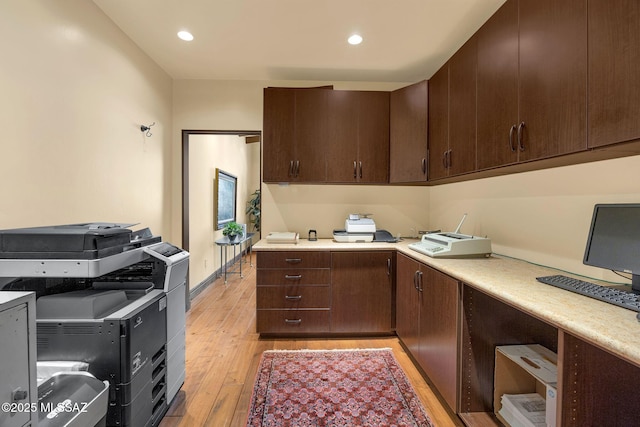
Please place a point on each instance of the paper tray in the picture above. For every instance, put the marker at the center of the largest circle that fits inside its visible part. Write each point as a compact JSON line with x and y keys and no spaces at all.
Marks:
{"x":343,"y":236}
{"x":47,"y":369}
{"x":72,"y":399}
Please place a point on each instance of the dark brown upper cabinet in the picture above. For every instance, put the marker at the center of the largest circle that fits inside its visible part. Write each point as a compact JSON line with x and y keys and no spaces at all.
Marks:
{"x":452,"y":115}
{"x":358,"y":143}
{"x":614,"y":71}
{"x":295,"y":135}
{"x":532,"y":82}
{"x":409,"y":133}
{"x":321,"y":135}
{"x":438,"y":122}
{"x":462,"y":109}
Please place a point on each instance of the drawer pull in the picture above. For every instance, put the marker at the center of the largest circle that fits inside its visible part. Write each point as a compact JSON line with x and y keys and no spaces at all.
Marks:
{"x":293,"y":260}
{"x":293,"y":276}
{"x":292,"y":321}
{"x":293,"y":297}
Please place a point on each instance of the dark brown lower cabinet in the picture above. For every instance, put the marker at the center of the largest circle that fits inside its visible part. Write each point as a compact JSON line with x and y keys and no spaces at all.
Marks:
{"x":438,"y":354}
{"x":427,"y":322}
{"x":362,"y":292}
{"x":325,"y":293}
{"x":293,"y":292}
{"x":408,"y":303}
{"x":598,"y":388}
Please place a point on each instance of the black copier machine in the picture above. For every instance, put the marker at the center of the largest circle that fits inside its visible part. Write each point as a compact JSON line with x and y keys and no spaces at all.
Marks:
{"x":111,"y":298}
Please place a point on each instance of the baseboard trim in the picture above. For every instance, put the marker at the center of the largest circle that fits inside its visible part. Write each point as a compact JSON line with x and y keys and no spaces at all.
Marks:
{"x":212,"y":278}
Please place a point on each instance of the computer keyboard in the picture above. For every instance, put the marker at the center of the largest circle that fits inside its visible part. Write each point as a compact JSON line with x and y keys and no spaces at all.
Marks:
{"x":617,"y":297}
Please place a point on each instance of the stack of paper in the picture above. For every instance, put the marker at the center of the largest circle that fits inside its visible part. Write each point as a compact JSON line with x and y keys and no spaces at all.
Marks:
{"x":523,"y":410}
{"x":283,"y":237}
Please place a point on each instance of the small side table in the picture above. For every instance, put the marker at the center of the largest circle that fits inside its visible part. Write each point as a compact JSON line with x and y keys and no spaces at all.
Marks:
{"x":224,"y":244}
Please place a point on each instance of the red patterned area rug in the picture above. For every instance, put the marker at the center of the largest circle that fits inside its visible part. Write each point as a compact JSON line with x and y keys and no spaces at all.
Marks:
{"x":333,"y":388}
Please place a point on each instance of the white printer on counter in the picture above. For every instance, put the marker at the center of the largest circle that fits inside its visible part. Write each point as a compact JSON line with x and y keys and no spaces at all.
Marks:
{"x":359,"y":228}
{"x":356,"y":223}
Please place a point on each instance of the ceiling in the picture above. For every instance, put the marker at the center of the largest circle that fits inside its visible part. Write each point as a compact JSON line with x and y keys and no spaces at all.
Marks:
{"x":404,"y":40}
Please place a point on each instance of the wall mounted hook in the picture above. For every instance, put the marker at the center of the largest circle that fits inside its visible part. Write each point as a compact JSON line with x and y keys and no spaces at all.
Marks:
{"x":147,"y":129}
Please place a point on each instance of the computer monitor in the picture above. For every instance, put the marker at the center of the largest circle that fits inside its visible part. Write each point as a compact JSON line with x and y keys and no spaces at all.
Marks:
{"x":614,"y":240}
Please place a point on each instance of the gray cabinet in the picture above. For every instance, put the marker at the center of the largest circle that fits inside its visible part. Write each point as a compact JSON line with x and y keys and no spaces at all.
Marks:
{"x":18,"y":359}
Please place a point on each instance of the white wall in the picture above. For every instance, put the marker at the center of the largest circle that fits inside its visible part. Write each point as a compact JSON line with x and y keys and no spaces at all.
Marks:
{"x":399,"y":210}
{"x":231,"y":154}
{"x":75,"y":91}
{"x":541,"y":216}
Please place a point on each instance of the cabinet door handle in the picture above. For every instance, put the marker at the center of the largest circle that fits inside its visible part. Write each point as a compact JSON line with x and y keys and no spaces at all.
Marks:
{"x":388,"y":266}
{"x":444,"y":159}
{"x":424,"y":165}
{"x":19,"y":395}
{"x":293,"y":276}
{"x":360,"y":170}
{"x":449,"y":159}
{"x":293,"y":297}
{"x":415,"y":280}
{"x":291,"y":168}
{"x":297,"y":168}
{"x":511,"y":131}
{"x":293,"y":321}
{"x":293,"y":260}
{"x":427,"y":161}
{"x":520,"y":137}
{"x":355,"y":170}
{"x":420,"y":288}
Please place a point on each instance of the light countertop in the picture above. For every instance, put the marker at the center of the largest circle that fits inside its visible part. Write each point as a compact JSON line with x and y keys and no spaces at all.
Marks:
{"x":513,"y":282}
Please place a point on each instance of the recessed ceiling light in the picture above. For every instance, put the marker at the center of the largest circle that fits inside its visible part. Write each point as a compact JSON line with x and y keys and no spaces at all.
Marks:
{"x":185,"y":35}
{"x":355,"y":39}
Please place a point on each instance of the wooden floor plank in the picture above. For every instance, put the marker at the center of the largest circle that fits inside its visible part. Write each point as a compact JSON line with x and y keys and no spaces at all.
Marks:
{"x":224,"y":351}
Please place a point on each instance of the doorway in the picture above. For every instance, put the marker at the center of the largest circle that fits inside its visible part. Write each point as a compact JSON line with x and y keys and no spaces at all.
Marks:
{"x":204,"y":152}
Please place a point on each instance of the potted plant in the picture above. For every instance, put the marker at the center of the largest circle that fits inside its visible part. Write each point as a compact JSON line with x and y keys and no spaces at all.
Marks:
{"x":232,"y":230}
{"x":253,"y":210}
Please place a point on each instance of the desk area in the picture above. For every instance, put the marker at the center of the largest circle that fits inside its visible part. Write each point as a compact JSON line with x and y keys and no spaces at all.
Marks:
{"x":500,"y":302}
{"x":224,"y":244}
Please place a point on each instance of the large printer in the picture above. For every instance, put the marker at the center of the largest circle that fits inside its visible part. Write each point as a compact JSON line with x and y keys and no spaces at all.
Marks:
{"x":112,"y":298}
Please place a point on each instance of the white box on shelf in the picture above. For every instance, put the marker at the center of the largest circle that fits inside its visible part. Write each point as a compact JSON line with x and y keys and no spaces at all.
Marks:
{"x":552,"y":404}
{"x":523,"y":369}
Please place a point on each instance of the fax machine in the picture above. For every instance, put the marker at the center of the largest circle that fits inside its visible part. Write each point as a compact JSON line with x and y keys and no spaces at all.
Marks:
{"x":452,"y":244}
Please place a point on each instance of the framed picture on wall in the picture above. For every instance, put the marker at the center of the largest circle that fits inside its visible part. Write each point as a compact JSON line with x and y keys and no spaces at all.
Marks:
{"x":224,"y":198}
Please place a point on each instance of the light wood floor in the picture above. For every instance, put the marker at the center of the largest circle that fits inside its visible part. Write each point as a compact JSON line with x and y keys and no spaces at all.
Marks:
{"x":223,"y":352}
